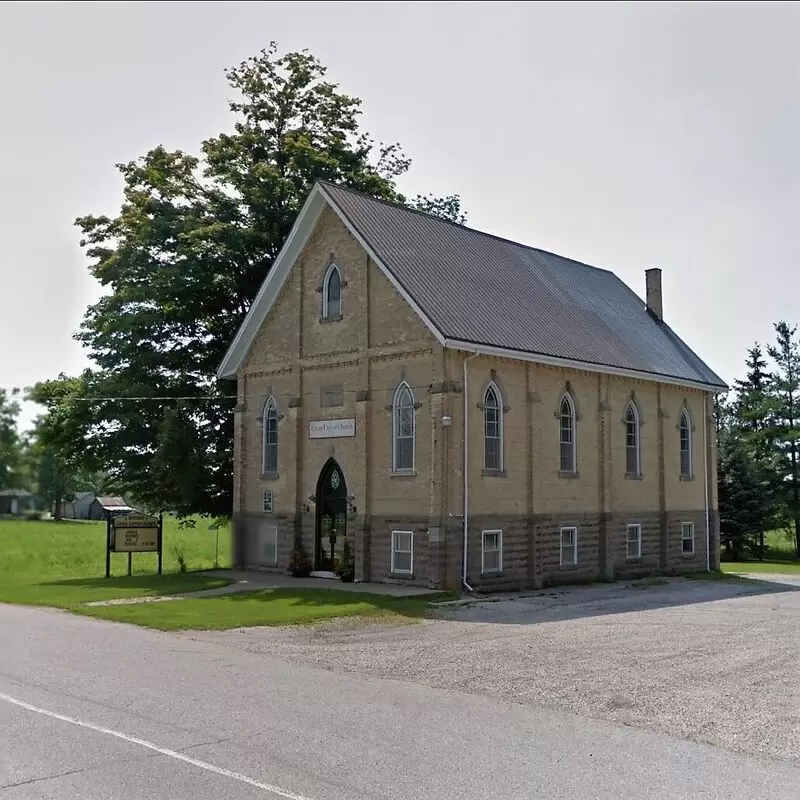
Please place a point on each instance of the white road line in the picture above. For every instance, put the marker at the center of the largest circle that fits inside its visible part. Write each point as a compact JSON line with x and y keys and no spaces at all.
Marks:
{"x":236,"y":776}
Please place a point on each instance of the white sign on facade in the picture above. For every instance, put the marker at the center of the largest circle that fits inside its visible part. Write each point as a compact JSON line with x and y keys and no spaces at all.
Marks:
{"x":331,"y":428}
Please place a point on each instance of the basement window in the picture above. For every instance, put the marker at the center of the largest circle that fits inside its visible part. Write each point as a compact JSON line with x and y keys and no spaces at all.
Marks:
{"x":633,"y":541}
{"x":687,"y":538}
{"x":492,"y":551}
{"x":403,"y":552}
{"x":569,"y":547}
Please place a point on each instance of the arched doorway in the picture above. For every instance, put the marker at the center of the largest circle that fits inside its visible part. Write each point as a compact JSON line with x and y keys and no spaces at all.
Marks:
{"x":331,"y":516}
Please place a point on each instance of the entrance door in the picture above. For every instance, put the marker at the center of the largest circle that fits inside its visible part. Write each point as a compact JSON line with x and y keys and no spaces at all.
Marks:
{"x":331,"y":516}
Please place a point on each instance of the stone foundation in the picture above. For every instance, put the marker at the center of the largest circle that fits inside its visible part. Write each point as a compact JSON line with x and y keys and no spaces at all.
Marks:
{"x":531,"y":552}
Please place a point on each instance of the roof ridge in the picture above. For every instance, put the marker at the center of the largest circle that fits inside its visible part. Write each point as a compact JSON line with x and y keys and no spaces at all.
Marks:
{"x":444,"y":221}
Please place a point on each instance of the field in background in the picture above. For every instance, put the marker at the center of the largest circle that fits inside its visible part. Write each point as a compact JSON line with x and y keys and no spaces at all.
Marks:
{"x":63,"y":563}
{"x":781,"y":557}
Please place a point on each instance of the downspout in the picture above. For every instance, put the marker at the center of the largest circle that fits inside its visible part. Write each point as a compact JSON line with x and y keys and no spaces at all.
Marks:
{"x":466,"y":476}
{"x":705,"y":481}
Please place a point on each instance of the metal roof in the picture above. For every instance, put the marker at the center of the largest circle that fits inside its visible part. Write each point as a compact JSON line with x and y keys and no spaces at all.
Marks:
{"x":113,"y":504}
{"x":478,"y":288}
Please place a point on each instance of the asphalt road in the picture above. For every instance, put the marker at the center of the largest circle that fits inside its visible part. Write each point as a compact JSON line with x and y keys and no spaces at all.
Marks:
{"x":90,"y":709}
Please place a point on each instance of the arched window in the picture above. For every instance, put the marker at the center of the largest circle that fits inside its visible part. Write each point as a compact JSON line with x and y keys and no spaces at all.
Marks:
{"x":332,"y":293}
{"x":492,"y":430}
{"x":632,"y":447}
{"x":403,"y":429}
{"x":686,"y":444}
{"x":269,"y":437}
{"x":566,"y":416}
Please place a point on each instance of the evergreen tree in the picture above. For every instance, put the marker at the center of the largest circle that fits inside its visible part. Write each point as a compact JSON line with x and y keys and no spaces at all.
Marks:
{"x":784,"y":408}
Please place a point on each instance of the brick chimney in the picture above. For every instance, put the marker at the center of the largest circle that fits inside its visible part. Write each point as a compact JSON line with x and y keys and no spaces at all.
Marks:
{"x":653,"y":284}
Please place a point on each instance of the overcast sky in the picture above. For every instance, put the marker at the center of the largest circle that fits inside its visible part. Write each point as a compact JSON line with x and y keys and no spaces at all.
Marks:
{"x":624,"y":135}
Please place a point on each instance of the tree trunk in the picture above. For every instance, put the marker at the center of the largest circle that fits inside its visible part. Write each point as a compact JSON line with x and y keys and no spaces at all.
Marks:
{"x":59,"y":508}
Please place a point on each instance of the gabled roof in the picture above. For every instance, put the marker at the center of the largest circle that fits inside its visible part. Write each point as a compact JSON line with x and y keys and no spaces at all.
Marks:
{"x":478,"y":292}
{"x":113,"y":504}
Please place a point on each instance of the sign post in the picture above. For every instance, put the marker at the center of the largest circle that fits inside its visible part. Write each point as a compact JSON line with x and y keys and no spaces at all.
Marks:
{"x":134,"y":533}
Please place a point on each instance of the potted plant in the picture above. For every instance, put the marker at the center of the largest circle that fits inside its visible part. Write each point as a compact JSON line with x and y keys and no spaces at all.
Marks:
{"x":347,"y":566}
{"x":299,"y":562}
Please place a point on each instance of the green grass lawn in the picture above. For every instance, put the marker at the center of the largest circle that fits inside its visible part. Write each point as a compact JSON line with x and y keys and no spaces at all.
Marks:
{"x":63,"y":563}
{"x":774,"y":567}
{"x":264,"y":607}
{"x":780,"y":559}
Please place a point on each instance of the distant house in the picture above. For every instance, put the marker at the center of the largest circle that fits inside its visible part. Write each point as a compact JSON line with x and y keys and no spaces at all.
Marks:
{"x":103,"y":507}
{"x":78,"y":507}
{"x":15,"y":501}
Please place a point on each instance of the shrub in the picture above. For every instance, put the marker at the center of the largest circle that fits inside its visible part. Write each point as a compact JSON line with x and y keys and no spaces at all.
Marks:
{"x":299,"y":562}
{"x":347,"y":568}
{"x":180,"y":557}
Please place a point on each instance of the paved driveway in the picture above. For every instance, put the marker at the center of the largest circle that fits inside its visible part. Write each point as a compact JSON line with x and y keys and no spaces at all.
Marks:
{"x":712,"y":661}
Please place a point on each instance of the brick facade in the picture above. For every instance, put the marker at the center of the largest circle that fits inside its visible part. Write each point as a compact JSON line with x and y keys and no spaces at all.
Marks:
{"x":349,"y":369}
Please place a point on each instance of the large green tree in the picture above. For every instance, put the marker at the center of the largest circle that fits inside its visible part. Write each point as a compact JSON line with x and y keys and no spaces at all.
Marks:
{"x":749,"y":470}
{"x":10,"y":448}
{"x":181,"y":263}
{"x":785,"y":413}
{"x":54,"y":447}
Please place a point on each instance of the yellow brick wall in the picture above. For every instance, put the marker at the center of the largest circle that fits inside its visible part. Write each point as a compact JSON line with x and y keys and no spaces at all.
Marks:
{"x":381,"y":341}
{"x":531,"y":482}
{"x":373,"y":347}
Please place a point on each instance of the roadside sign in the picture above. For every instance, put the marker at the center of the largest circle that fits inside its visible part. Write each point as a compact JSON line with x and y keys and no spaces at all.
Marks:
{"x":134,"y":533}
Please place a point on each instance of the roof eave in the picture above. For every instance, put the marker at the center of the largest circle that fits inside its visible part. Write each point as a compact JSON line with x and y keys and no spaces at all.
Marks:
{"x":586,"y":366}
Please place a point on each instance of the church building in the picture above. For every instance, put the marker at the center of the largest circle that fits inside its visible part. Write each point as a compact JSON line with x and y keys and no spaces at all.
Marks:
{"x":464,"y":410}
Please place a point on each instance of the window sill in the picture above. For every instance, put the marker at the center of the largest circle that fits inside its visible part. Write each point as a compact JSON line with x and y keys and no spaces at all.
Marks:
{"x":494,"y":473}
{"x":567,"y":567}
{"x":401,"y":576}
{"x":688,"y":556}
{"x":270,"y":476}
{"x":326,"y":320}
{"x":686,"y":478}
{"x":633,"y":559}
{"x":492,"y":573}
{"x":633,"y":476}
{"x":568,"y":475}
{"x":403,"y":473}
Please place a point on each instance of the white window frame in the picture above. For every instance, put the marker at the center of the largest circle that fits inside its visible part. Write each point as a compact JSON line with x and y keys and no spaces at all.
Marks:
{"x":567,"y":398}
{"x":632,"y":407}
{"x":493,"y":387}
{"x":401,"y":387}
{"x":633,"y":526}
{"x":574,"y":561}
{"x":685,"y":421}
{"x":325,"y":284}
{"x":395,"y":550}
{"x":499,"y":550}
{"x":685,"y":538}
{"x":269,"y":405}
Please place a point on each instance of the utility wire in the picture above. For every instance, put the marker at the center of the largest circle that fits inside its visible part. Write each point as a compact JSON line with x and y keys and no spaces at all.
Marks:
{"x":211,"y":398}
